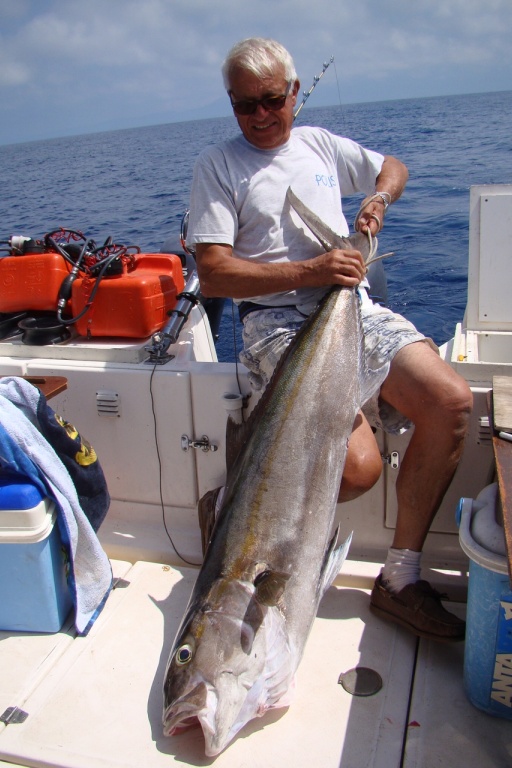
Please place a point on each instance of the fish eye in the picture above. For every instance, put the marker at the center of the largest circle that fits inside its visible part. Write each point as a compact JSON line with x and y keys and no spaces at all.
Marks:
{"x":184,"y":654}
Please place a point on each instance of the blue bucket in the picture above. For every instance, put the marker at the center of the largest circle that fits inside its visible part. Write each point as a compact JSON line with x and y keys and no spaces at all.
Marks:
{"x":488,"y":648}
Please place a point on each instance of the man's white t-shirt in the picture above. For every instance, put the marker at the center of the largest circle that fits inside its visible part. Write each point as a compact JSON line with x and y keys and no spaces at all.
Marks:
{"x":238,"y":198}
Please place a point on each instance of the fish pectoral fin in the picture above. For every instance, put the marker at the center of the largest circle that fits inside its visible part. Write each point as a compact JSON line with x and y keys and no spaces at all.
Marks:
{"x":270,"y":586}
{"x":334,"y":559}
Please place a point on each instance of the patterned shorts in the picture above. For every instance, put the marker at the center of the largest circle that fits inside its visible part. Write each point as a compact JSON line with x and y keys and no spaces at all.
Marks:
{"x":268,"y":332}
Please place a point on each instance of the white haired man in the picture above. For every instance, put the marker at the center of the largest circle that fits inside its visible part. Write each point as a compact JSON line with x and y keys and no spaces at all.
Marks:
{"x":250,"y":247}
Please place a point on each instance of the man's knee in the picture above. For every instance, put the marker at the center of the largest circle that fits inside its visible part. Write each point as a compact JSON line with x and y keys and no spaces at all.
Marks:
{"x":428,"y":391}
{"x":363,"y":465}
{"x":452,"y":409}
{"x":353,"y":486}
{"x":462,"y":397}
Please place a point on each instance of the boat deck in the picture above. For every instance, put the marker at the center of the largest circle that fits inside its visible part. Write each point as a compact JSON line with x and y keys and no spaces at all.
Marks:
{"x":97,"y":700}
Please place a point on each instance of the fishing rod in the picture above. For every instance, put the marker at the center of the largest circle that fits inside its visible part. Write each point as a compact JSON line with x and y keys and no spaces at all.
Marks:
{"x":316,"y":79}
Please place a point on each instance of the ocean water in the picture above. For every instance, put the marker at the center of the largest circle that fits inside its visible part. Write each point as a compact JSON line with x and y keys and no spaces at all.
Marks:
{"x":133,"y":185}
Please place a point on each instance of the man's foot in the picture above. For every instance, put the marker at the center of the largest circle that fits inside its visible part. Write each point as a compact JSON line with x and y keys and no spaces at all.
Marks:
{"x":418,"y":608}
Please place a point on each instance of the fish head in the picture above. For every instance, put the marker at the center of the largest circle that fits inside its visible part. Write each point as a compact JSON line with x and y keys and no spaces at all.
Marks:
{"x":218,"y":671}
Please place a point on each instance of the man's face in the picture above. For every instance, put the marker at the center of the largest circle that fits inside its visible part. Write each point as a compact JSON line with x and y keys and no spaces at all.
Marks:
{"x":265,"y":129}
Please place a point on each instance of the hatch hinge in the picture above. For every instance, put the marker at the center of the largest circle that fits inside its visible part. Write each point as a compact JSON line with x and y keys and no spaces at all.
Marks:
{"x":393,"y":459}
{"x":203,"y":444}
{"x":13,"y":716}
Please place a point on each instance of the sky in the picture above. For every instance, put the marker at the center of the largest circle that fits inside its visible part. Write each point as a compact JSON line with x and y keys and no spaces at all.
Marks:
{"x":71,"y":67}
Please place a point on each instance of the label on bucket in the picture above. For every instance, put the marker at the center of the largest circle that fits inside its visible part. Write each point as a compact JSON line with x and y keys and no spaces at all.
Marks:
{"x":501,"y":691}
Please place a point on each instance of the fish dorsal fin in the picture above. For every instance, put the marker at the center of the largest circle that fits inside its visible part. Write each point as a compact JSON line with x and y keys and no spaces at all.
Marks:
{"x":333,"y":560}
{"x":270,"y":586}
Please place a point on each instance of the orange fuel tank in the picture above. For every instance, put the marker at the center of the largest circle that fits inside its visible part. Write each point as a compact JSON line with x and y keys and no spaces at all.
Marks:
{"x":31,"y":281}
{"x":133,"y":304}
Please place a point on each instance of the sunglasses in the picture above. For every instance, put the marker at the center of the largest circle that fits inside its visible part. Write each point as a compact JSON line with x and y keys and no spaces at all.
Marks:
{"x":270,"y":103}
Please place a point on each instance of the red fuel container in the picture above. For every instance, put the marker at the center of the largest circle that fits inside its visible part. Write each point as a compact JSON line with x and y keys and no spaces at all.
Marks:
{"x":133,"y":304}
{"x":31,"y":281}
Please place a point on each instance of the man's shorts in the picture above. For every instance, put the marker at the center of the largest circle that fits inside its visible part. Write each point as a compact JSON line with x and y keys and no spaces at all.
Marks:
{"x":268,"y":332}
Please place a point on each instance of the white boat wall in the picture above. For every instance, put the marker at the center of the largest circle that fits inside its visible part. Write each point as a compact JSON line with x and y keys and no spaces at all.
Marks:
{"x":159,"y":432}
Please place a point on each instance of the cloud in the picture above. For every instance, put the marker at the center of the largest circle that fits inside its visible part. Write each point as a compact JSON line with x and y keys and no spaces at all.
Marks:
{"x":70,"y":66}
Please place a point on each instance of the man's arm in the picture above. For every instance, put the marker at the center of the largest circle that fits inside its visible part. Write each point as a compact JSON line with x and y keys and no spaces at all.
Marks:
{"x":391,"y":182}
{"x":222,"y":274}
{"x":392,"y":177}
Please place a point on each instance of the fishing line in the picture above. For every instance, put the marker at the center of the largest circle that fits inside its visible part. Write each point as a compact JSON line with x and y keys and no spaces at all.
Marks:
{"x":337,"y":81}
{"x":160,"y":474}
{"x":235,"y":350}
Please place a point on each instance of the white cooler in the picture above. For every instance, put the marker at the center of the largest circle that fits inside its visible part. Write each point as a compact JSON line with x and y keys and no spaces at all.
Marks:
{"x":33,"y":584}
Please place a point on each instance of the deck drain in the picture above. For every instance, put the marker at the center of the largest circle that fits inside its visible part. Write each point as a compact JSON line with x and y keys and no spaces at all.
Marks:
{"x":361,"y":681}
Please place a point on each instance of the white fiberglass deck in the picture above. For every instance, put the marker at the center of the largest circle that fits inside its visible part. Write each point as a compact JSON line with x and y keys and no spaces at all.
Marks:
{"x":97,"y":701}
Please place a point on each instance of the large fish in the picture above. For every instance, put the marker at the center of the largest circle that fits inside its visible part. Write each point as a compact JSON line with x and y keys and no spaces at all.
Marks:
{"x":272,"y":554}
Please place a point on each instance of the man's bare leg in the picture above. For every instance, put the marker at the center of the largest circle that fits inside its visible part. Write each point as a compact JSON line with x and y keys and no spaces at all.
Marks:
{"x":438,"y":401}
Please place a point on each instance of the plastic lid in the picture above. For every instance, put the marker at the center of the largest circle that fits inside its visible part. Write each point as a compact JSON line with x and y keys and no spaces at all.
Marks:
{"x":16,"y":493}
{"x":27,"y":526}
{"x":476,"y":552}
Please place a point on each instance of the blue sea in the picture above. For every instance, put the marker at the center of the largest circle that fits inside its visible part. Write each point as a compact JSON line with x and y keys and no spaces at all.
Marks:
{"x":133,"y":185}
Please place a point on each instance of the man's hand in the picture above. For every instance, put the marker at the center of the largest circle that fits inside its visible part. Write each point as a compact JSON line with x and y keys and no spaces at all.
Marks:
{"x":371,"y":216}
{"x":390,"y":184}
{"x":337,"y":267}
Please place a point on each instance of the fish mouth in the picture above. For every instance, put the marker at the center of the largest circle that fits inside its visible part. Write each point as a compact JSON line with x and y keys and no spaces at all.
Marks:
{"x":218,"y":715}
{"x":197,"y":708}
{"x":187,"y":711}
{"x":181,"y":717}
{"x":175,"y":726}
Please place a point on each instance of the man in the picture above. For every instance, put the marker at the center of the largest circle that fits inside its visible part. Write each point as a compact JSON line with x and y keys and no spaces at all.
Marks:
{"x":251,"y":246}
